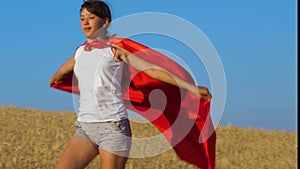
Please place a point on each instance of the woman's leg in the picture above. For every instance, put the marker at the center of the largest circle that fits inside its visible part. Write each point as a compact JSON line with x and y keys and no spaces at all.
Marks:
{"x":111,"y":160}
{"x":78,"y":153}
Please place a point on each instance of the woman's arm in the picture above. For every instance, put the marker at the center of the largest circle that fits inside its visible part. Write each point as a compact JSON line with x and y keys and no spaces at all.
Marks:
{"x":159,"y":73}
{"x":64,"y":69}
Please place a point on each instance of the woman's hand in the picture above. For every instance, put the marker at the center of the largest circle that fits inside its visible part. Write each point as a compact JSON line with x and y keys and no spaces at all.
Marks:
{"x":202,"y":92}
{"x":119,"y":52}
{"x":53,"y":80}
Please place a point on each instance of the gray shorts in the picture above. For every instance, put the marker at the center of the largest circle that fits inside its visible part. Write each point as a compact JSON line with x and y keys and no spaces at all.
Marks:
{"x":110,"y":136}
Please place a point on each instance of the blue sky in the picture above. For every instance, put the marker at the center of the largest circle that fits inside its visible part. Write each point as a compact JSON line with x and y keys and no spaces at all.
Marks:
{"x":255,"y":40}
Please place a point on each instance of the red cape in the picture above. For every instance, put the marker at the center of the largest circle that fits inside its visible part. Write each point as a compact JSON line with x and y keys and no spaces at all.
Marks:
{"x":184,"y":119}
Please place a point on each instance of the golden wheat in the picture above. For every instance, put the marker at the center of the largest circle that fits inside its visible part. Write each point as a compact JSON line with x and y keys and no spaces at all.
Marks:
{"x":31,"y":138}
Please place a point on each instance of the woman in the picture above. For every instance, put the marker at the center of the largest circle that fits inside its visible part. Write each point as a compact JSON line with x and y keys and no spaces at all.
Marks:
{"x":102,"y":124}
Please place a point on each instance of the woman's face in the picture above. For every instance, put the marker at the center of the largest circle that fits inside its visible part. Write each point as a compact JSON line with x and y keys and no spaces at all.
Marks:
{"x":91,"y":23}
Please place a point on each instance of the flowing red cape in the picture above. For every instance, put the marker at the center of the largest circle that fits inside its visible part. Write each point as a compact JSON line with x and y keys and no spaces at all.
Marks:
{"x":182,"y":117}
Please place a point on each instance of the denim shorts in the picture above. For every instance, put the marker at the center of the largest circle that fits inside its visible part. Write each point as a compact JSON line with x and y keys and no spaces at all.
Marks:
{"x":111,"y":136}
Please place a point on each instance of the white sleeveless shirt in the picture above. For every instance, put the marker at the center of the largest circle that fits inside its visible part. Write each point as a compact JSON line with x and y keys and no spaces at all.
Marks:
{"x":99,"y":77}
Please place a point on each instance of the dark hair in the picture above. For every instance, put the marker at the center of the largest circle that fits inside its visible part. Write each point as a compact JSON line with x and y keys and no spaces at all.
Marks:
{"x":97,"y":7}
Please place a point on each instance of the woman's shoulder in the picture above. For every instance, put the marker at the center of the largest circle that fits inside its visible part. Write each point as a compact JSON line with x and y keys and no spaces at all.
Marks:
{"x":78,"y":50}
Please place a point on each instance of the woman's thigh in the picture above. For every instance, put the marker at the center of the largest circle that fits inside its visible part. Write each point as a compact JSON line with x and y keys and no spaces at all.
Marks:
{"x":78,"y":153}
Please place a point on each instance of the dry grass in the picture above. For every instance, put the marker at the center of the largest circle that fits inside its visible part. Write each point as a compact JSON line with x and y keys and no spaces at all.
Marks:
{"x":32,"y":138}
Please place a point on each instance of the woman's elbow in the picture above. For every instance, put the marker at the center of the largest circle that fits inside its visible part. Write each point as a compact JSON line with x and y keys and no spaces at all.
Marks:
{"x":153,"y":72}
{"x":159,"y":74}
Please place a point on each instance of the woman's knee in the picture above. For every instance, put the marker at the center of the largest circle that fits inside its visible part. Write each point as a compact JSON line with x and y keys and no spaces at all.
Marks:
{"x":113,"y":160}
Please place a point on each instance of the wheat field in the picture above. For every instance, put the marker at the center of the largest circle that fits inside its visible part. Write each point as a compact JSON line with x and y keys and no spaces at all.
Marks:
{"x":33,"y":139}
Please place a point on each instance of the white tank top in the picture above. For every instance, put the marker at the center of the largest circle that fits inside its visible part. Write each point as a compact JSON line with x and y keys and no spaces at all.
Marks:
{"x":99,"y":77}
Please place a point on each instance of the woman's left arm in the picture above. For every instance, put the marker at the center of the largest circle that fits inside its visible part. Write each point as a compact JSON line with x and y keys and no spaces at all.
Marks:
{"x":159,"y":73}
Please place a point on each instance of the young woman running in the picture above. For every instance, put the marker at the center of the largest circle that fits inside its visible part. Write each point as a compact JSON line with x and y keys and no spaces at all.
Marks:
{"x":102,"y":124}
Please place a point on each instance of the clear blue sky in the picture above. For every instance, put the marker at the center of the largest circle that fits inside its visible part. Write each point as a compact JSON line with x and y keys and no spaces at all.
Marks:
{"x":256,"y":41}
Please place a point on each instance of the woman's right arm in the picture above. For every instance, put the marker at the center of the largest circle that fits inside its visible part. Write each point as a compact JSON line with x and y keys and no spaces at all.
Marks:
{"x":159,"y":73}
{"x":64,"y":69}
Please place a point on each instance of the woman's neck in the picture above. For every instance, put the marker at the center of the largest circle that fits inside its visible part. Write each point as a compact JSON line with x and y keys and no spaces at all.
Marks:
{"x":99,"y":39}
